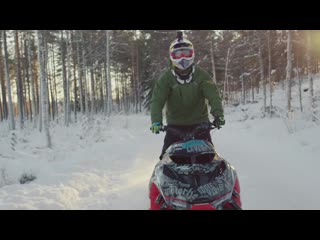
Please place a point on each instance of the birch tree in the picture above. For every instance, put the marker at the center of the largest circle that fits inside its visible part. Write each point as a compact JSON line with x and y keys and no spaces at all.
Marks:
{"x":7,"y":73}
{"x":33,"y":101}
{"x":84,"y":68}
{"x":65,"y":80}
{"x":91,"y":66}
{"x":19,"y":79}
{"x":27,"y":76}
{"x":68,"y":80}
{"x":269,"y":72}
{"x":74,"y":76}
{"x":138,"y":107}
{"x":225,"y":94}
{"x":1,"y":117}
{"x":44,"y":90}
{"x":262,"y":78}
{"x":310,"y":76}
{"x":289,"y":70}
{"x":80,"y":71}
{"x":54,"y":90}
{"x":4,"y":109}
{"x":212,"y":60}
{"x":297,"y":71}
{"x":108,"y":76}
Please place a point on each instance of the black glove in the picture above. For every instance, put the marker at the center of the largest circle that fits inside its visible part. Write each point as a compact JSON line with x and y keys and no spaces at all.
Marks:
{"x":218,"y":122}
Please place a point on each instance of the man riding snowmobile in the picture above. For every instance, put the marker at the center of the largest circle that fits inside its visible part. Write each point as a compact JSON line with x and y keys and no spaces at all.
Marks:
{"x":184,"y":89}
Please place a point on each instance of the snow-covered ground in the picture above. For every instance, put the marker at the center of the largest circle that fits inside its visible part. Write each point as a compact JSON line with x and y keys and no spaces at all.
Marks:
{"x":107,"y":163}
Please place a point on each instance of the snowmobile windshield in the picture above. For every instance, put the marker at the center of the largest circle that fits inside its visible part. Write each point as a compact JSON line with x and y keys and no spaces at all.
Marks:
{"x":193,"y":159}
{"x":191,"y":152}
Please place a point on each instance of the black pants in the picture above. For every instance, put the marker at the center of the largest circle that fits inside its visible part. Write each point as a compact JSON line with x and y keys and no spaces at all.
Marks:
{"x":170,"y":138}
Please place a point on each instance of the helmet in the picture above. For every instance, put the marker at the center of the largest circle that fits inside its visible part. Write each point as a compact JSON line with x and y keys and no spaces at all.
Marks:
{"x":181,"y":52}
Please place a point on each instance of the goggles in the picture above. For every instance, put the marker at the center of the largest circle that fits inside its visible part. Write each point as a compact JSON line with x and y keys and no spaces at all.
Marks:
{"x":180,"y":53}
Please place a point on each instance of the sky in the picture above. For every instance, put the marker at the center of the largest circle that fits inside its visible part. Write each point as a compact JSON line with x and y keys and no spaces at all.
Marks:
{"x":106,"y":164}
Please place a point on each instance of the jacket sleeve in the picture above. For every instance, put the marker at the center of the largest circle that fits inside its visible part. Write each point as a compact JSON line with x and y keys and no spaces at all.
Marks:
{"x":211,"y":92}
{"x":159,"y":98}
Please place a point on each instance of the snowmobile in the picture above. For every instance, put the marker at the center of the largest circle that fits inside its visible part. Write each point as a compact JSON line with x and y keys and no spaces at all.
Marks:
{"x":192,"y":176}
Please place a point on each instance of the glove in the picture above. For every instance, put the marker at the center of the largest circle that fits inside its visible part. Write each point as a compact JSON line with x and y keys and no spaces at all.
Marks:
{"x":155,"y":128}
{"x":218,"y":121}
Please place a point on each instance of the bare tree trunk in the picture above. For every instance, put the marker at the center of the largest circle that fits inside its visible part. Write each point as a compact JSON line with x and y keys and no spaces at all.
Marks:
{"x":269,"y":73}
{"x":19,"y":79}
{"x":108,"y":76}
{"x":92,"y":80}
{"x":281,"y":80}
{"x":104,"y":86}
{"x":212,"y":61}
{"x":228,"y":90}
{"x":47,"y":72}
{"x":54,"y":86}
{"x":93,"y":92}
{"x":124,"y":94}
{"x":74,"y":78}
{"x":96,"y":76}
{"x":50,"y":85}
{"x":6,"y":65}
{"x":68,"y":113}
{"x":300,"y":82}
{"x":122,"y":99}
{"x":310,"y":75}
{"x":128,"y":94}
{"x":80,"y":70}
{"x":85,"y":77}
{"x":32,"y":74}
{"x":24,"y":77}
{"x":101,"y":102}
{"x":263,"y":80}
{"x":64,"y":47}
{"x":243,"y":89}
{"x":27,"y":73}
{"x":257,"y":82}
{"x":44,"y":95}
{"x":138,"y":81}
{"x":4,"y":109}
{"x":225,"y":96}
{"x":289,"y":70}
{"x":40,"y":56}
{"x":117,"y":89}
{"x":1,"y":116}
{"x":252,"y":88}
{"x":37,"y":88}
{"x":133,"y":77}
{"x":300,"y":90}
{"x":96,"y":87}
{"x":64,"y":78}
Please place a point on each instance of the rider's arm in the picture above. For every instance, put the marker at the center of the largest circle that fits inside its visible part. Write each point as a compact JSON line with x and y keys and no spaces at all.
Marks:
{"x":159,"y":98}
{"x":210,"y":92}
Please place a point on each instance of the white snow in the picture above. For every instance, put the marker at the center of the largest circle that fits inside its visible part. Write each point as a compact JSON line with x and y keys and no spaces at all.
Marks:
{"x":107,"y":163}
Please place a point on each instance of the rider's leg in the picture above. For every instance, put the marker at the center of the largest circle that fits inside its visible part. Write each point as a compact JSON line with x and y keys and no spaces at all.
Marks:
{"x":168,"y":140}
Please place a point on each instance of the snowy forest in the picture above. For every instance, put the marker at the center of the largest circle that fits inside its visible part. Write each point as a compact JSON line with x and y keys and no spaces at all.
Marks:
{"x":71,"y":72}
{"x":52,"y":80}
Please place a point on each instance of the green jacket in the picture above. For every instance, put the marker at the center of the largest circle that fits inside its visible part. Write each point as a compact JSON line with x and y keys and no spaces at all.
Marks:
{"x":185,"y":103}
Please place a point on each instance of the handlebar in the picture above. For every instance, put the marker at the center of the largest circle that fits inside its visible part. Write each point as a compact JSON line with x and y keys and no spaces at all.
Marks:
{"x":201,"y":129}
